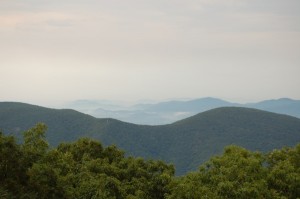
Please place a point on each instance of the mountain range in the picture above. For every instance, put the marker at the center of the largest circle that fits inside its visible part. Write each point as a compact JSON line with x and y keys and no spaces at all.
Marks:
{"x":170,"y":111}
{"x":186,"y":143}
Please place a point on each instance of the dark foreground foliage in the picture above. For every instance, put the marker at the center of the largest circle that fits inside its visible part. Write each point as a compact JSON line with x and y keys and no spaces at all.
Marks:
{"x":85,"y":169}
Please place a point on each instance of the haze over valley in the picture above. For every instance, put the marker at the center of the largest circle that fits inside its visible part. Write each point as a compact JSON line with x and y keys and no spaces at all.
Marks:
{"x":170,"y":111}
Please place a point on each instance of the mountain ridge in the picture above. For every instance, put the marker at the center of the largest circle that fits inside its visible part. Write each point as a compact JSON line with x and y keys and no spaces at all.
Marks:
{"x":186,"y":143}
{"x":170,"y":111}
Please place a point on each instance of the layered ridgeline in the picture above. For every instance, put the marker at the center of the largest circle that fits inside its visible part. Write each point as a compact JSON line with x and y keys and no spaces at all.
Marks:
{"x":170,"y":111}
{"x":186,"y":143}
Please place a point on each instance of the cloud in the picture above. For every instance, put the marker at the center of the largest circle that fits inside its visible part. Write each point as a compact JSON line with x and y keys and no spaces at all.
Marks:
{"x":177,"y":47}
{"x":40,"y":20}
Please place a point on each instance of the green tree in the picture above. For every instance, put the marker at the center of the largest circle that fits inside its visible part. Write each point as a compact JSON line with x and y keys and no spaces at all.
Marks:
{"x":86,"y":169}
{"x":238,"y":173}
{"x":11,"y":172}
{"x":284,"y":172}
{"x":35,"y":144}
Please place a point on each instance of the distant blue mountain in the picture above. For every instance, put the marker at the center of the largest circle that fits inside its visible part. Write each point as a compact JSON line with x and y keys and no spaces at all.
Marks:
{"x":195,"y":106}
{"x":174,"y":110}
{"x":284,"y":106}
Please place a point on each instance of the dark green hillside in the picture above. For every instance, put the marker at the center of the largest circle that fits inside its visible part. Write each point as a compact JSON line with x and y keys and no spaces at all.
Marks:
{"x":186,"y":143}
{"x":205,"y":134}
{"x":63,"y":125}
{"x":69,"y":125}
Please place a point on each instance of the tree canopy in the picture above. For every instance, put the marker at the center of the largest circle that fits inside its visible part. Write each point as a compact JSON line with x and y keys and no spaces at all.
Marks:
{"x":86,"y":169}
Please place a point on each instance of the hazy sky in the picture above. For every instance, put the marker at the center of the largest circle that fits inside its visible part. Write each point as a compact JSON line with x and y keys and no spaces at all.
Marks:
{"x":53,"y":51}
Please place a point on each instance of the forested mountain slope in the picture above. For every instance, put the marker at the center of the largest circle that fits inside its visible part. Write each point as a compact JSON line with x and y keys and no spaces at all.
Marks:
{"x":186,"y":143}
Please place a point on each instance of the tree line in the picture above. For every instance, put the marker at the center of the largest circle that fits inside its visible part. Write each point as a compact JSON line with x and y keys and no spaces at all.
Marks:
{"x":86,"y":170}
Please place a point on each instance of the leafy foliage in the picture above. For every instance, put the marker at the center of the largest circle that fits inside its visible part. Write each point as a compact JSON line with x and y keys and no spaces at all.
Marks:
{"x":83,"y":169}
{"x":86,"y":169}
{"x":284,"y":171}
{"x":239,"y":173}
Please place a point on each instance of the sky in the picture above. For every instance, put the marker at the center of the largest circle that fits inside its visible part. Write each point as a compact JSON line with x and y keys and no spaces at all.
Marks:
{"x":53,"y":51}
